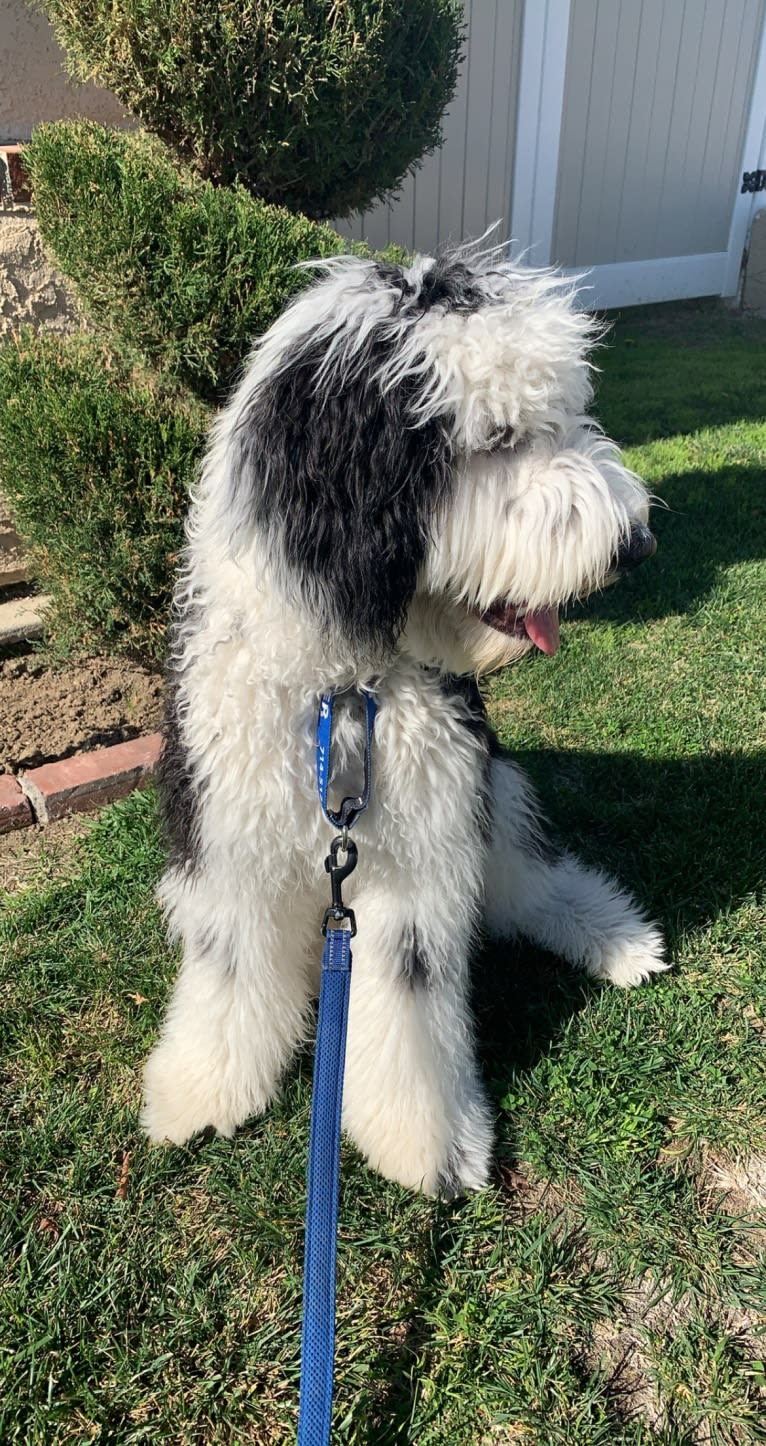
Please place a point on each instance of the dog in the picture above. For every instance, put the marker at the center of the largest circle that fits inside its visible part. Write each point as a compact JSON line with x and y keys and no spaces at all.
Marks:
{"x":401,"y":493}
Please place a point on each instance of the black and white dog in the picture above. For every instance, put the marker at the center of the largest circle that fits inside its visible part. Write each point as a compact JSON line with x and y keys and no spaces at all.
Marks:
{"x":402,"y":491}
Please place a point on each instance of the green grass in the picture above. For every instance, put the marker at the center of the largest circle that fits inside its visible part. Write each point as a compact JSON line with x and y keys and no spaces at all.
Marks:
{"x":610,"y":1286}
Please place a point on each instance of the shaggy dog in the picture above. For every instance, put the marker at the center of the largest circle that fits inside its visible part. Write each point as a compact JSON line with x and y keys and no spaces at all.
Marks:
{"x":400,"y":494}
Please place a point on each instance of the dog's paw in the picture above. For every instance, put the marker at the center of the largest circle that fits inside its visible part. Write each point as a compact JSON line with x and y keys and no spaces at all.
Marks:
{"x":467,"y":1168}
{"x":175,"y":1108}
{"x":180,"y":1102}
{"x":629,"y":960}
{"x":433,"y":1161}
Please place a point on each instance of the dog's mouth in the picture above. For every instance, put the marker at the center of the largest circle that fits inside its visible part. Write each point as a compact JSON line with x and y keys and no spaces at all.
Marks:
{"x":540,"y":626}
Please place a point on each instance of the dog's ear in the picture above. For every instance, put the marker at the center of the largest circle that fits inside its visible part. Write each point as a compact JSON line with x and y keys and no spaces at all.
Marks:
{"x":332,"y":466}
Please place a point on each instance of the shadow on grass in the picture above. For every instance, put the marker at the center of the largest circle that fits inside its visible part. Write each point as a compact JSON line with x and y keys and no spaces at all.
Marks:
{"x":687,"y":836}
{"x":713,"y":520}
{"x":678,"y":369}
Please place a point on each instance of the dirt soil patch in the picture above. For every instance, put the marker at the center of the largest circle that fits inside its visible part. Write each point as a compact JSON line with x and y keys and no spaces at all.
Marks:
{"x":49,"y":712}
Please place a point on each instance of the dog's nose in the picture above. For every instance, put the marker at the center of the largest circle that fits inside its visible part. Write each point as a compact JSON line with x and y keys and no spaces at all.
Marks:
{"x":636,"y":548}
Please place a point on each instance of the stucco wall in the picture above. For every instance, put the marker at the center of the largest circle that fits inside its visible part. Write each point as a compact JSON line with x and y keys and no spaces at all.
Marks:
{"x":31,"y":292}
{"x":34,"y":86}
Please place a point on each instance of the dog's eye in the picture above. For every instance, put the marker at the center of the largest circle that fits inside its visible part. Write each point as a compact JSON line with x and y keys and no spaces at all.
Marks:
{"x":501,"y":440}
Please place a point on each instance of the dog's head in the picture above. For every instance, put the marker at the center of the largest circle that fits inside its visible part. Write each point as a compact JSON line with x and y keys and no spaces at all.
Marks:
{"x":414,"y":448}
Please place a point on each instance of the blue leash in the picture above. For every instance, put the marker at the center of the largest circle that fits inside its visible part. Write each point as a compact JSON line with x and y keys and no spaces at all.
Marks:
{"x":318,"y":1340}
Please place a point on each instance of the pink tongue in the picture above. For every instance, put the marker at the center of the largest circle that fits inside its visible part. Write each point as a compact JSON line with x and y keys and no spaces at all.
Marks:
{"x":543,"y":629}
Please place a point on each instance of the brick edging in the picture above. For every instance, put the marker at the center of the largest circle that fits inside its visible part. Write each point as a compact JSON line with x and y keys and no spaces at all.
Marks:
{"x":74,"y":785}
{"x":15,"y":185}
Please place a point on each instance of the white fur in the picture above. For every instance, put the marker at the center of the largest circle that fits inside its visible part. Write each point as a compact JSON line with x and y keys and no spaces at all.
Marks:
{"x":537,"y":524}
{"x":557,"y":902}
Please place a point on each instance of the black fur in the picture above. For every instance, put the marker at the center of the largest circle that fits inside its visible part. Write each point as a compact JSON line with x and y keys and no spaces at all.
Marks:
{"x":496,"y":749}
{"x":416,"y":969}
{"x":345,"y":486}
{"x":179,"y":801}
{"x":464,"y":690}
{"x":450,"y":284}
{"x":454,"y":685}
{"x":394,"y":278}
{"x":534,"y":841}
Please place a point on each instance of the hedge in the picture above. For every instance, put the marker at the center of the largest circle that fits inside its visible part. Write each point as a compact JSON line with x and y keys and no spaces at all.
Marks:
{"x":184,"y":273}
{"x":97,"y":464}
{"x":319,"y":106}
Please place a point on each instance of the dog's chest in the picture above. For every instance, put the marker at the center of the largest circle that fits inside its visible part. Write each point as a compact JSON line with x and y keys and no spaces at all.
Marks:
{"x":430,"y":763}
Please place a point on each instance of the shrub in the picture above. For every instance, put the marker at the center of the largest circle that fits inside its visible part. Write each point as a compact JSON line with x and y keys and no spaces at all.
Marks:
{"x":319,"y":106}
{"x":183,"y":272}
{"x":96,"y":464}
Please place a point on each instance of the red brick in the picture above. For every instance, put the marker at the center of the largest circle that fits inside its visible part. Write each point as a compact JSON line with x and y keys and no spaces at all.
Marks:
{"x":21,"y":189}
{"x":74,"y":785}
{"x":14,"y":807}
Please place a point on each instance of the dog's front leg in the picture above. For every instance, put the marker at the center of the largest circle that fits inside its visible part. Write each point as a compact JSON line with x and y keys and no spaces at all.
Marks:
{"x":413,"y":1101}
{"x":556,"y":901}
{"x":240,"y":1006}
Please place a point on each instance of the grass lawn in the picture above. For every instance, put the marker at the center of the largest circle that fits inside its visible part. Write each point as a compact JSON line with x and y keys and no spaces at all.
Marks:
{"x":610,"y":1286}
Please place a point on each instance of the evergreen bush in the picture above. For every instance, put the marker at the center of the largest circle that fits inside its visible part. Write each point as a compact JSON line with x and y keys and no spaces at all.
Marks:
{"x":318,"y":105}
{"x":182,"y":272}
{"x":322,"y":104}
{"x":96,"y":464}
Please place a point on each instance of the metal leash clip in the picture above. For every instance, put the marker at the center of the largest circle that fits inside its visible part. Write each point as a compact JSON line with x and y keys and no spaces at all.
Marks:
{"x":337,"y":912}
